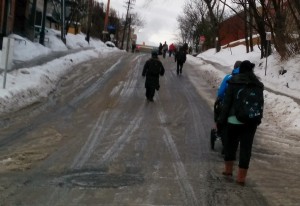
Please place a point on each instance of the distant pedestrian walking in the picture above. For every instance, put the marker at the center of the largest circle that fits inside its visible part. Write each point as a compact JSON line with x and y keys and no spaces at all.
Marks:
{"x":153,"y":68}
{"x":172,"y":49}
{"x":160,"y":47}
{"x":241,"y":130}
{"x":180,"y":58}
{"x":165,"y":49}
{"x":133,"y":46}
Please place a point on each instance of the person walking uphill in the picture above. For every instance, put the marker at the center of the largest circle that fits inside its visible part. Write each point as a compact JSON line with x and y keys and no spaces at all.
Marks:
{"x":220,"y":98}
{"x":165,"y":49}
{"x":172,"y":49}
{"x":152,"y":69}
{"x":180,"y":57}
{"x":244,"y":95}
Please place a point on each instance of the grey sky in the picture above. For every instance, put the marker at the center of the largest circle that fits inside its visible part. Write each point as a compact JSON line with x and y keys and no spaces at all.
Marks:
{"x":159,"y":18}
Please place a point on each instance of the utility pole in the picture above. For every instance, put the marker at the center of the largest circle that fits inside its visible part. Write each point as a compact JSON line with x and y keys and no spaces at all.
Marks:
{"x":62,"y":21}
{"x":128,"y":34}
{"x":106,"y":21}
{"x":42,"y":34}
{"x":89,"y":21}
{"x":126,"y":22}
{"x":32,"y":19}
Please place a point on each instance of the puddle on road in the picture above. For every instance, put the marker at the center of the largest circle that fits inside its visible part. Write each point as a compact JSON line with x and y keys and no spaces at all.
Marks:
{"x":99,"y":180}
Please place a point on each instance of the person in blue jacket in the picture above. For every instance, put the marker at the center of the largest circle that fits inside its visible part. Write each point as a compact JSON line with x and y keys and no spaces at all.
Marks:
{"x":238,"y":134}
{"x":220,"y":98}
{"x":223,"y":86}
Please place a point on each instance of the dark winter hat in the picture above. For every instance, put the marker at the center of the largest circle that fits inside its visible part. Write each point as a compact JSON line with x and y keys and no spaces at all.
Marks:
{"x":246,"y":66}
{"x":237,"y":64}
{"x":154,"y":53}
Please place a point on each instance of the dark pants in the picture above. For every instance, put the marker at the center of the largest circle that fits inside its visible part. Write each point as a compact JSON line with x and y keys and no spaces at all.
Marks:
{"x":179,"y":67}
{"x":150,"y":91}
{"x":164,"y":53}
{"x":222,"y":132}
{"x":239,"y":134}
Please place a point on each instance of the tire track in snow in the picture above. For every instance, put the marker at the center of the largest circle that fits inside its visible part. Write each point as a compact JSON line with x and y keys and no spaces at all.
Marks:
{"x":98,"y":131}
{"x":120,"y":143}
{"x":178,"y":165}
{"x":130,"y":86}
{"x":124,"y":138}
{"x":92,"y":141}
{"x":91,"y":90}
{"x":197,"y":130}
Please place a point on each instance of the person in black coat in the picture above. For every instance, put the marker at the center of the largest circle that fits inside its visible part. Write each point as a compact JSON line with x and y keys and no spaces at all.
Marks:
{"x":180,"y":57}
{"x":160,"y":47}
{"x":238,"y":132}
{"x":152,"y":69}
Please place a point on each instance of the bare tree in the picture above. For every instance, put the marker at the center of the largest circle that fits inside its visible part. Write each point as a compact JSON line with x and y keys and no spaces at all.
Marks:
{"x":294,"y":7}
{"x":97,"y":20}
{"x":137,"y":21}
{"x":277,"y":17}
{"x":187,"y":23}
{"x":77,"y":11}
{"x":215,"y":12}
{"x":201,"y":17}
{"x":184,"y":29}
{"x":292,"y":26}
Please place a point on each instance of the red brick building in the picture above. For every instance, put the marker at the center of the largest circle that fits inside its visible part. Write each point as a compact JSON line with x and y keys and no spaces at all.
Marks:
{"x":231,"y":29}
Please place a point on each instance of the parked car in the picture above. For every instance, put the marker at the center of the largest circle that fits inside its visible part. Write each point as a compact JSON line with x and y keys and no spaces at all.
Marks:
{"x":110,"y":44}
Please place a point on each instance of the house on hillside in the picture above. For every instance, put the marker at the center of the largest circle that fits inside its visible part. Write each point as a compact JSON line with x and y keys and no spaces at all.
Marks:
{"x":231,"y":29}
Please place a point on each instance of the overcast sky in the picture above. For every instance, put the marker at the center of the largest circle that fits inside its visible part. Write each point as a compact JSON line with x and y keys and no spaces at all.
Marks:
{"x":159,"y":16}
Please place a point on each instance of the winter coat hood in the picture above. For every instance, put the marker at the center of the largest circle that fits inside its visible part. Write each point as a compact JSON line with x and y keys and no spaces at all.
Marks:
{"x":235,"y":71}
{"x":237,"y":64}
{"x":245,"y":78}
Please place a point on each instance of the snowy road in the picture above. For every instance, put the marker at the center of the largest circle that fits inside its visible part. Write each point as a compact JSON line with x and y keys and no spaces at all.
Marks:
{"x":96,"y":141}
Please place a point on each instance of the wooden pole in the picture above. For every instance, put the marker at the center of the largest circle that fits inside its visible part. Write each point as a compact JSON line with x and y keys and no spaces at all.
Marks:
{"x":42,"y":34}
{"x":106,"y":15}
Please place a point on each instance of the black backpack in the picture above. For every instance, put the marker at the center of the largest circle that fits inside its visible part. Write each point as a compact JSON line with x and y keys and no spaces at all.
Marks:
{"x":249,"y":104}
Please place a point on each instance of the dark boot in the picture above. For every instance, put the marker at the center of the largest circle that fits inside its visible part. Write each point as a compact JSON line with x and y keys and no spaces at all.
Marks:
{"x":241,"y":176}
{"x":228,"y":168}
